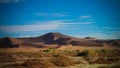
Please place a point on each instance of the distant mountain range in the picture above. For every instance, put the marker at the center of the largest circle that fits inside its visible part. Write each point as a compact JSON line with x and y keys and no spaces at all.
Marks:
{"x":54,"y":38}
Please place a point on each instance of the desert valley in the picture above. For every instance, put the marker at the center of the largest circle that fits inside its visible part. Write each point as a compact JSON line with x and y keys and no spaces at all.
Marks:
{"x":56,"y":40}
{"x":56,"y":50}
{"x":59,"y":33}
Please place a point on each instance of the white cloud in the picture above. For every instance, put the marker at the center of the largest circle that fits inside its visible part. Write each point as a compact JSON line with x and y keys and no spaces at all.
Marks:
{"x":85,"y":16}
{"x":52,"y":14}
{"x":11,"y":1}
{"x":49,"y":25}
{"x":25,"y":36}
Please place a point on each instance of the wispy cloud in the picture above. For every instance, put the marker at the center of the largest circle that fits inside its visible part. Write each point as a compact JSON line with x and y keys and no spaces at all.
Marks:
{"x":112,"y":35}
{"x":107,"y":28}
{"x":106,"y":35}
{"x":52,"y":14}
{"x":85,"y":16}
{"x":87,"y":23}
{"x":49,"y":25}
{"x":11,"y":1}
{"x":78,"y":23}
{"x":86,"y":19}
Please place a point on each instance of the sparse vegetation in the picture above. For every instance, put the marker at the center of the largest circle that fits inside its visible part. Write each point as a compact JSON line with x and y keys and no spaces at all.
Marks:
{"x":49,"y":50}
{"x":62,"y":60}
{"x":56,"y":58}
{"x":103,"y":51}
{"x":38,"y":63}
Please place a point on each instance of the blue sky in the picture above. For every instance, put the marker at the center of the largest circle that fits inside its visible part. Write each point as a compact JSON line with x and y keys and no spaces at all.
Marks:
{"x":78,"y":18}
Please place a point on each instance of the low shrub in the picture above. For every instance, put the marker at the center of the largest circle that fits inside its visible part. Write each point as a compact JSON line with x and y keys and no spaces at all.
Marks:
{"x":78,"y":51}
{"x":38,"y":63}
{"x":62,"y":61}
{"x":83,"y":53}
{"x":103,"y":51}
{"x":49,"y":50}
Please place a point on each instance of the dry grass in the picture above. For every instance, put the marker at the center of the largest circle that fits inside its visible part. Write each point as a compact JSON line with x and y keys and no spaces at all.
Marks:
{"x":38,"y":63}
{"x":105,"y":61}
{"x":62,"y":61}
{"x":56,"y":58}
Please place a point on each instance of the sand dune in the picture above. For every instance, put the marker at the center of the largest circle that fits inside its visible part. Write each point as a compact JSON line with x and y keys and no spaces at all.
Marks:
{"x":55,"y":40}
